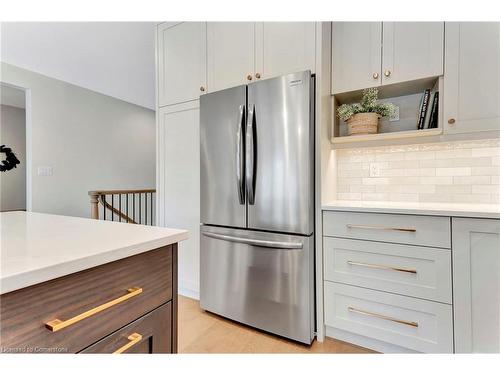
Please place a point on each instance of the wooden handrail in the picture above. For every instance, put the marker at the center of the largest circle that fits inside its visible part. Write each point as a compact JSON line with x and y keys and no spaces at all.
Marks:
{"x":124,"y":191}
{"x":99,"y":196}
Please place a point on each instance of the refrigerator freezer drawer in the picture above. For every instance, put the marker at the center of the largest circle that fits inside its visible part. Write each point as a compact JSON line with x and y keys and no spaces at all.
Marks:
{"x":265,"y":280}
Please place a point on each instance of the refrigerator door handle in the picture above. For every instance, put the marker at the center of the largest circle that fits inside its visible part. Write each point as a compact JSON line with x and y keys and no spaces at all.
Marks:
{"x":261,"y":243}
{"x":240,"y":146}
{"x":250,"y":156}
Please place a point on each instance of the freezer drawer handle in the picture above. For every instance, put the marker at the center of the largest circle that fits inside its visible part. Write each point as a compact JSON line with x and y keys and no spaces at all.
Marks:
{"x":262,"y":243}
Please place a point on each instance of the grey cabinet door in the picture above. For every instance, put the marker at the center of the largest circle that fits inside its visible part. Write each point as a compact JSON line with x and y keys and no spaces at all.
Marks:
{"x":279,"y":154}
{"x":476,"y":285}
{"x":222,"y":122}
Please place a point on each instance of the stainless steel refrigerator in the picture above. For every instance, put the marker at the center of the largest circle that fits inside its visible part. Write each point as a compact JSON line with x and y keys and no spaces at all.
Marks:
{"x":257,"y":205}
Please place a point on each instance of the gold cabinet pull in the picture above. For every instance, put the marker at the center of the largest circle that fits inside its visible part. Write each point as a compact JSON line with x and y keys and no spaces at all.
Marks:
{"x":385,"y":317}
{"x":57,"y":324}
{"x":381,"y":267}
{"x":133,"y":339}
{"x":352,"y":226}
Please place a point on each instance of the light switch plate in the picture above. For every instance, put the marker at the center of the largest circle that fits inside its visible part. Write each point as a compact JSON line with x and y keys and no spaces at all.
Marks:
{"x":44,"y":171}
{"x":395,"y":116}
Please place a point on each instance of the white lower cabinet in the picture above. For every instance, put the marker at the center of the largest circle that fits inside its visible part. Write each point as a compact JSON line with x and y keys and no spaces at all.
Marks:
{"x":409,"y":323}
{"x":476,"y":285}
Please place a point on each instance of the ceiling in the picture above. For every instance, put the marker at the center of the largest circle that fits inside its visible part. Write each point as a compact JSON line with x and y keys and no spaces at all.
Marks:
{"x":12,"y":96}
{"x":112,"y":58}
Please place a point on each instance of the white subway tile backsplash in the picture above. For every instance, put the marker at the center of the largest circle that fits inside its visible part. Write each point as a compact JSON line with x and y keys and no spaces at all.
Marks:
{"x":471,"y":180}
{"x":486,"y":171}
{"x":463,"y":171}
{"x":441,"y":180}
{"x":486,"y":189}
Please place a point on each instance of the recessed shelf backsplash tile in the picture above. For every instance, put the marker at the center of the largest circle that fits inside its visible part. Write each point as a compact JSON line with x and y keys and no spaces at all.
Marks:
{"x":458,"y":172}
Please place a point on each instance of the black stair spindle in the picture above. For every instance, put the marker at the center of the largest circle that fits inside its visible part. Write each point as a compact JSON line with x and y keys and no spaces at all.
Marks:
{"x":127,"y":210}
{"x":120,"y":206}
{"x":103,"y":197}
{"x":151,"y":200}
{"x":112,"y":207}
{"x":140,"y":209}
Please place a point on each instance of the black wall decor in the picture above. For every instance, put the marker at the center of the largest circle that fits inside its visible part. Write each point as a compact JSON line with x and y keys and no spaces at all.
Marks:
{"x":10,"y":161}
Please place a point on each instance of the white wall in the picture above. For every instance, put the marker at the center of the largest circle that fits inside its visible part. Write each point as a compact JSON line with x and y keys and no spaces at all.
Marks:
{"x":13,"y":135}
{"x":92,"y":141}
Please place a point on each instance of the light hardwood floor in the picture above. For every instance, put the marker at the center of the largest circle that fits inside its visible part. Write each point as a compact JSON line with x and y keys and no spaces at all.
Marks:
{"x":203,"y":332}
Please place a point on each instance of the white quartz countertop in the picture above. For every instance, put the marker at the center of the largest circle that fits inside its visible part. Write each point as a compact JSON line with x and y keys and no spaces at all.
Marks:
{"x":489,"y":211}
{"x":38,"y":247}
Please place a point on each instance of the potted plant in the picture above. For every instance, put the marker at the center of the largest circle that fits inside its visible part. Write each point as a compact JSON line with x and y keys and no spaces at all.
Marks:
{"x":362,"y":118}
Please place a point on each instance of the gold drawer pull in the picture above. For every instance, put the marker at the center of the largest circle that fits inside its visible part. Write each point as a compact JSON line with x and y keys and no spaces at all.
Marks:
{"x":352,"y":226}
{"x":385,"y":317}
{"x":380,"y":267}
{"x":57,"y":324}
{"x":134,"y":338}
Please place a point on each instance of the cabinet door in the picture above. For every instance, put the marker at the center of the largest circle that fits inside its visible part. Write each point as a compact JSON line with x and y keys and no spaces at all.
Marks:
{"x":356,"y":55}
{"x":472,"y":79}
{"x":147,"y":335}
{"x":178,"y":183}
{"x":181,"y":62}
{"x":230,"y":54}
{"x":284,"y":47}
{"x":476,"y":285}
{"x":412,"y":50}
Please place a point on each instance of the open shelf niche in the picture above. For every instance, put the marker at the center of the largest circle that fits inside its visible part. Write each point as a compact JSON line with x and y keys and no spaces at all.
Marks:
{"x":405,"y":95}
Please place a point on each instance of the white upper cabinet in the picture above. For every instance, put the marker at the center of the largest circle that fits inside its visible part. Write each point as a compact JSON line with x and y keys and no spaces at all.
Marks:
{"x":476,"y":285}
{"x":472,"y":77}
{"x":284,"y":47}
{"x":411,"y":50}
{"x":356,"y":55}
{"x":181,"y":62}
{"x":230,"y":54}
{"x":368,"y":54}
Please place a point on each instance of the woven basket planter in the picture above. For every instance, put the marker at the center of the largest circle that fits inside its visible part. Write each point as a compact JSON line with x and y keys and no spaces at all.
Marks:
{"x":363,"y":123}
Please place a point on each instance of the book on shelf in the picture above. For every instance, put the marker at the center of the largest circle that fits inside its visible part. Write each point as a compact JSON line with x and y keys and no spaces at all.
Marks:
{"x":428,"y":113}
{"x":433,"y":121}
{"x":424,"y":104}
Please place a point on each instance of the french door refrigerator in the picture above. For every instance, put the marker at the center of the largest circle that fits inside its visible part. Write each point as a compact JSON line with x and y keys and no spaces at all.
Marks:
{"x":257,"y":205}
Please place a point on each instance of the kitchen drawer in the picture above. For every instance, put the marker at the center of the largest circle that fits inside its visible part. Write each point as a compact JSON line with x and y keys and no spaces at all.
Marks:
{"x":25,"y":312}
{"x":408,"y":322}
{"x":407,"y":229}
{"x":150,"y":334}
{"x":415,"y":271}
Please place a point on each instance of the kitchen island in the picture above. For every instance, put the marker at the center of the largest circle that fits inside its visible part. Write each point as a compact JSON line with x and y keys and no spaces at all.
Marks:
{"x":79,"y":285}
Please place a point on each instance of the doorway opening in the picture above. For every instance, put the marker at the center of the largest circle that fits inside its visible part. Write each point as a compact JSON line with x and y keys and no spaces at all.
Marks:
{"x":14,"y":159}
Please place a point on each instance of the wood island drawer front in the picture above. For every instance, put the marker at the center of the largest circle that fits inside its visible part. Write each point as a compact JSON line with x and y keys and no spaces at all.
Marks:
{"x":72,"y":312}
{"x":412,"y":323}
{"x":415,"y":271}
{"x":432,"y":231}
{"x":149,"y":334}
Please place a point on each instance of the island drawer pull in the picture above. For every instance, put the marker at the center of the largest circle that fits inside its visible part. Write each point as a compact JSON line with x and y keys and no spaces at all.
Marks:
{"x":134,"y":338}
{"x":57,"y":324}
{"x":385,"y":317}
{"x":353,"y":226}
{"x":380,"y":267}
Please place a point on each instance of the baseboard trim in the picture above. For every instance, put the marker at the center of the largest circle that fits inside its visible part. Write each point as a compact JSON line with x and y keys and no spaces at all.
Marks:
{"x":190,"y":293}
{"x":365,"y":342}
